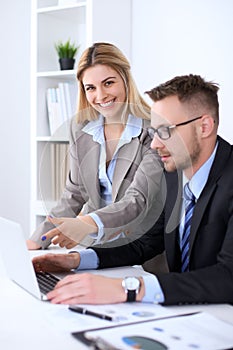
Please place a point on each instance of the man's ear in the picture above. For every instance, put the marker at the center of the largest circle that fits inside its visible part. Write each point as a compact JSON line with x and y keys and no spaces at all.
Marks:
{"x":207,"y":125}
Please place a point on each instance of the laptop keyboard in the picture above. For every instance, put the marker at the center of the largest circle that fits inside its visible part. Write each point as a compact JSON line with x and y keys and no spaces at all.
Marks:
{"x":46,"y":281}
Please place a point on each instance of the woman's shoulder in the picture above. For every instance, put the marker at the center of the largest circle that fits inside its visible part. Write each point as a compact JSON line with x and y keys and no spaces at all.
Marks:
{"x":77,"y":127}
{"x":76,"y":130}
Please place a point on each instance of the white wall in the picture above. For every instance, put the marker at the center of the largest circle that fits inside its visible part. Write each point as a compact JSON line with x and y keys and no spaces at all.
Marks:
{"x":169,"y":38}
{"x":14,"y":116}
{"x":181,"y":37}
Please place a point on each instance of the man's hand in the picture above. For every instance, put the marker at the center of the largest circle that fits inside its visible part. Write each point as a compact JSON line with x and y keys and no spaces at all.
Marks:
{"x":56,"y":262}
{"x":32,"y":245}
{"x":86,"y":288}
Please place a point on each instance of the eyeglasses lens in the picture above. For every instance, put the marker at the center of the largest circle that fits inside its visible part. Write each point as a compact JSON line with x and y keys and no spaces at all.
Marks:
{"x":164,"y":132}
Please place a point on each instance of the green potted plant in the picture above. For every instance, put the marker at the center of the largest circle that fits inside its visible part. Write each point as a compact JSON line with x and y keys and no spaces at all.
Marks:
{"x":66,"y":52}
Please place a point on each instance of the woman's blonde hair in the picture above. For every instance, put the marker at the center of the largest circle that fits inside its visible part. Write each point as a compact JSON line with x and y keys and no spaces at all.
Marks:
{"x":109,"y":55}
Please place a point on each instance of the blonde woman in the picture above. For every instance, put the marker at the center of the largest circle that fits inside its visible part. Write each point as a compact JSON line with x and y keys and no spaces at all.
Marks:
{"x":114,"y":175}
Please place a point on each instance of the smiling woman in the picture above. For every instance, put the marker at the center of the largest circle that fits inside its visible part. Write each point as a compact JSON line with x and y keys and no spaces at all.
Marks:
{"x":112,"y":188}
{"x":106,"y":93}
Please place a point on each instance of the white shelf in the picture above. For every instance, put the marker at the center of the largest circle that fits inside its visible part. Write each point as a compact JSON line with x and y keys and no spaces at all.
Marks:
{"x":57,"y":74}
{"x":60,"y":7}
{"x":83,"y":22}
{"x":52,"y":139}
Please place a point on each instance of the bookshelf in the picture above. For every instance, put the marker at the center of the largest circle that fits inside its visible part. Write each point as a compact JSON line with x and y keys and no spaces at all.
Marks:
{"x":83,"y":22}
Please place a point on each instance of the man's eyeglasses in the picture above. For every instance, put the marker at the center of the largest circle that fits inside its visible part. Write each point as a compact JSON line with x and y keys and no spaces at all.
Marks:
{"x":164,"y":132}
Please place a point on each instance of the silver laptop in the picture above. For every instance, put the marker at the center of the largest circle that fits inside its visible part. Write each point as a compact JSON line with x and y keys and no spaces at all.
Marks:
{"x":17,"y":261}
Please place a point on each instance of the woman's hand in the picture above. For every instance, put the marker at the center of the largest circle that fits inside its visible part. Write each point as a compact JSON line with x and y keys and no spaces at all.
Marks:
{"x":56,"y":262}
{"x":70,"y":231}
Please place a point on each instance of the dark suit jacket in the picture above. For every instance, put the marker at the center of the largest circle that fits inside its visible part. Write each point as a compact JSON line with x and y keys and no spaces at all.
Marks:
{"x":210,"y":279}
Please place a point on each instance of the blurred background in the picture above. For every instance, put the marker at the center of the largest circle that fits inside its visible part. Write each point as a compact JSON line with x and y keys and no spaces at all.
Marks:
{"x":167,"y":38}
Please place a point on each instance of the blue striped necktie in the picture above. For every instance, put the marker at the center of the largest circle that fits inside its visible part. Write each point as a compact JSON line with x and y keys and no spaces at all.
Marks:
{"x":189,"y":206}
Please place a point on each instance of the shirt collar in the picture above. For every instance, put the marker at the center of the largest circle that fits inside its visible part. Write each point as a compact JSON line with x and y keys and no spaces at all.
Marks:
{"x":95,"y":129}
{"x":132,"y":129}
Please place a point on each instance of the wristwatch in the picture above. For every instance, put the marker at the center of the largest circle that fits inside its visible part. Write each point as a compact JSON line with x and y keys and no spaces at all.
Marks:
{"x":131,"y":286}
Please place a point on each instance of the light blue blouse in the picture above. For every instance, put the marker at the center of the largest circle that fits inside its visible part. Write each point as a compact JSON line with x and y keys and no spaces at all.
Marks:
{"x":95,"y":128}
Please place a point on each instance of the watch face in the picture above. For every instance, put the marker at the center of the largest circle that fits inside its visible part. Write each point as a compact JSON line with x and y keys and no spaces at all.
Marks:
{"x":131,"y":283}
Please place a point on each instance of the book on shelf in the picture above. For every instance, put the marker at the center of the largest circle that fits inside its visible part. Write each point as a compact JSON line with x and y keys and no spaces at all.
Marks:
{"x":61,"y":101}
{"x":70,"y":98}
{"x":54,"y":111}
{"x":59,"y":168}
{"x":61,"y":105}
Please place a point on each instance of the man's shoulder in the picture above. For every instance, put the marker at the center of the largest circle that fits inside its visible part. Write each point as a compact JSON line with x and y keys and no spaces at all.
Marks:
{"x":224,"y":156}
{"x":224,"y":146}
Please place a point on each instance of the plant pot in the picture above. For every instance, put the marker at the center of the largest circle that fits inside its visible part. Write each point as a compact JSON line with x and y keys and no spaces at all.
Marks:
{"x":66,"y":63}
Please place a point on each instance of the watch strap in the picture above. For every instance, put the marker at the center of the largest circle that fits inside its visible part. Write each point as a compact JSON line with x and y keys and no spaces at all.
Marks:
{"x":131,"y":295}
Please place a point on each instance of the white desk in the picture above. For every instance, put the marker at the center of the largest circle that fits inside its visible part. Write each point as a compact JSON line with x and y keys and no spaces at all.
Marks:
{"x":28,"y":323}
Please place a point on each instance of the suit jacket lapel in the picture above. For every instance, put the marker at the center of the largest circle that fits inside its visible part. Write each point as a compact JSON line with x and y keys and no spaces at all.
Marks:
{"x":88,"y":154}
{"x":222,"y":154}
{"x":199,"y":211}
{"x":172,"y":218}
{"x":126,"y":156}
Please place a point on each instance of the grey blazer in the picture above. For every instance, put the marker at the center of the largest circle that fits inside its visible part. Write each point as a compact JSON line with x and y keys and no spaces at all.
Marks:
{"x":135,"y":186}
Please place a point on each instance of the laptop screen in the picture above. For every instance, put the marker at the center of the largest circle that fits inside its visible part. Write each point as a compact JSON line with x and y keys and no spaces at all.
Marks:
{"x":16,"y":257}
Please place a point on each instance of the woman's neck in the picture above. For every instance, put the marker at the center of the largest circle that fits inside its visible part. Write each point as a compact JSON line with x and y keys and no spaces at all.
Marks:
{"x":113,"y":129}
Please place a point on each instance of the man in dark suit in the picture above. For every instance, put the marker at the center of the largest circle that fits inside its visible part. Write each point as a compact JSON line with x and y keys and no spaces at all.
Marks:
{"x":198,"y":241}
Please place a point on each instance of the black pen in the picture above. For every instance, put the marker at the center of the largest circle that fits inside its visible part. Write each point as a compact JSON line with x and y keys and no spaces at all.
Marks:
{"x":84,"y":311}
